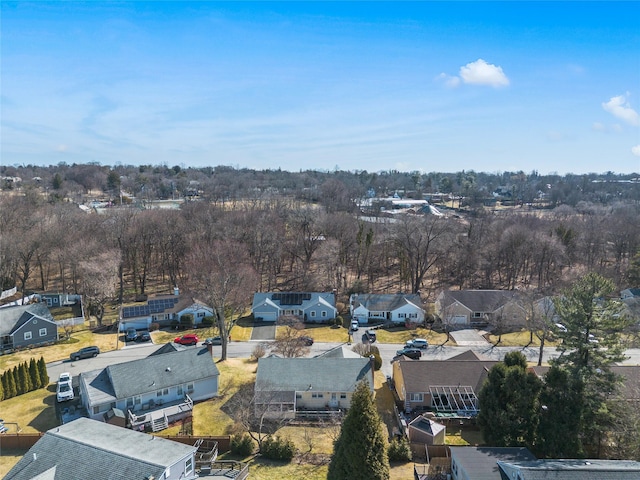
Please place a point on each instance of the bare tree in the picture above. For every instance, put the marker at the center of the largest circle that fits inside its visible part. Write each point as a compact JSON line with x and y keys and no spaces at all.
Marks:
{"x":99,"y":279}
{"x":288,"y":341}
{"x":220,"y":273}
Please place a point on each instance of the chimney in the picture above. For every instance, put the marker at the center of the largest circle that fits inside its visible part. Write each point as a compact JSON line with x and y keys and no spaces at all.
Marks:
{"x":210,"y":348}
{"x":176,"y":291}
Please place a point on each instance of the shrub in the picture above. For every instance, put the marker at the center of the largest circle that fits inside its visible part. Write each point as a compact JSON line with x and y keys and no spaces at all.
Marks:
{"x":207,"y":321}
{"x":153,"y":327}
{"x":399,"y":450}
{"x":186,"y":321}
{"x":278,"y":449}
{"x":174,"y":324}
{"x":339,"y":321}
{"x":259,"y":351}
{"x":242,"y":444}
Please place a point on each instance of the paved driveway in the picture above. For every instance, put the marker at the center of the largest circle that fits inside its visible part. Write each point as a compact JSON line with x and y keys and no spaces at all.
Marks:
{"x":264,"y":332}
{"x":469,"y":338}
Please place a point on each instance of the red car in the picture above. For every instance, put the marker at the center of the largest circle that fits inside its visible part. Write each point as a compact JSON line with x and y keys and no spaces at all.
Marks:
{"x":188,"y":339}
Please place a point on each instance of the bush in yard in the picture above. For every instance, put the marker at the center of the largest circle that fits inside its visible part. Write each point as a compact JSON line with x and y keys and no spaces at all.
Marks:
{"x":259,"y":351}
{"x":277,"y":448}
{"x":339,"y":321}
{"x":153,"y":327}
{"x":207,"y":322}
{"x":174,"y":324}
{"x":399,"y":450}
{"x":242,"y":444}
{"x":186,"y":321}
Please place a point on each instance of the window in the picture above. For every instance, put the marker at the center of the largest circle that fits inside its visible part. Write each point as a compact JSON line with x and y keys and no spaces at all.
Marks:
{"x":129,"y":402}
{"x":415,"y":397}
{"x":317,"y":395}
{"x":343,"y":396}
{"x":137,"y":400}
{"x":402,"y":315}
{"x":188,"y":466}
{"x":48,"y":302}
{"x":189,"y":387}
{"x":200,"y":315}
{"x":477,"y":314}
{"x":27,"y":335}
{"x":413,"y":315}
{"x":298,"y":396}
{"x":180,"y":390}
{"x":96,"y":410}
{"x":324,"y":314}
{"x":163,"y":392}
{"x":43,"y":332}
{"x":312,"y":313}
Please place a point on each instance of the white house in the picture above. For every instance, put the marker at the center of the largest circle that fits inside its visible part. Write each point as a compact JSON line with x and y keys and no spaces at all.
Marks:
{"x":396,"y":308}
{"x":313,"y":307}
{"x":163,"y":310}
{"x":153,"y":391}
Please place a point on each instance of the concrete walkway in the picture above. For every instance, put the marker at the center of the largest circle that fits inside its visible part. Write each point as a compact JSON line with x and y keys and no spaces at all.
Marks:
{"x":469,"y":338}
{"x":265,"y":331}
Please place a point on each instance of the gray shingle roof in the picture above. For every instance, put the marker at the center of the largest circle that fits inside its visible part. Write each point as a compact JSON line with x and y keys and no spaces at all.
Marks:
{"x":569,"y":469}
{"x":419,"y":375}
{"x":324,"y":374}
{"x":479,"y":300}
{"x":327,"y":298}
{"x":386,"y":302}
{"x":14,"y":317}
{"x":480,"y":463}
{"x":149,"y":374}
{"x":86,"y":448}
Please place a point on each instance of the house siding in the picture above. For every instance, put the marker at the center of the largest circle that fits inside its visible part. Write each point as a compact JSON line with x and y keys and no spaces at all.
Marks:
{"x":403,"y":314}
{"x":34,"y":328}
{"x":319,"y":310}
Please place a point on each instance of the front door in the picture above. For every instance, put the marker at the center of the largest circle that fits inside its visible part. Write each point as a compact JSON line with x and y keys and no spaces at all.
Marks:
{"x":333,"y":403}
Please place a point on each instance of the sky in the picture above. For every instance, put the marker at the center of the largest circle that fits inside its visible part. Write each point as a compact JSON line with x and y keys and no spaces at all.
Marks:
{"x":418,"y":86}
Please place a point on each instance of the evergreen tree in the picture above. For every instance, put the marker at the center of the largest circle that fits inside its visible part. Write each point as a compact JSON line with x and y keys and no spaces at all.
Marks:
{"x":593,"y":322}
{"x":44,"y":376}
{"x":34,"y":374}
{"x":19,"y":380}
{"x":509,"y":408}
{"x":1,"y":387}
{"x":361,"y":450}
{"x":11,"y":390}
{"x":28,"y":385}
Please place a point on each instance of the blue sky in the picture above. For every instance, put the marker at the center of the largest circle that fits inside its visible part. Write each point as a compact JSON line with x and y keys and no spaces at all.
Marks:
{"x":428,"y":86}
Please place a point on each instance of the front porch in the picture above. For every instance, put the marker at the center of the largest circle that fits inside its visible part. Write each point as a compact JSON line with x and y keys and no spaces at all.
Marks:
{"x":157,"y":419}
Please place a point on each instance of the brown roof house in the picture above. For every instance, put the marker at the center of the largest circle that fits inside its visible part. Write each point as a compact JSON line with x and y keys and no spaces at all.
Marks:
{"x":448,"y":387}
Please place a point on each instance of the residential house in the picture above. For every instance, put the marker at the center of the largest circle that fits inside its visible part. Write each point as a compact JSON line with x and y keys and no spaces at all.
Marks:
{"x":396,"y":308}
{"x":447,"y":387}
{"x":163,"y":310}
{"x":479,"y":308}
{"x":631,"y":303}
{"x":86,"y":448}
{"x":153,"y":391}
{"x":286,"y":386}
{"x":56,"y":299}
{"x":630,"y":293}
{"x":313,"y":307}
{"x":481,"y":463}
{"x":569,"y":469}
{"x":427,"y":431}
{"x":24,"y":326}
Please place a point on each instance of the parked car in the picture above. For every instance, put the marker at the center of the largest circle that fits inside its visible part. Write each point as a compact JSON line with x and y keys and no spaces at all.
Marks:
{"x":188,"y":339}
{"x":413,"y":353}
{"x":143,"y":336}
{"x":131,"y":334}
{"x":417,"y":343}
{"x":213,"y":341}
{"x":371,"y":336}
{"x":65,"y":377}
{"x":86,"y":352}
{"x":354,"y":325}
{"x":306,"y":341}
{"x":64,"y":391}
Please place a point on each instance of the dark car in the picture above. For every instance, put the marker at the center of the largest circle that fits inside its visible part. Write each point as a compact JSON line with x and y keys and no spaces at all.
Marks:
{"x":370,"y":335}
{"x":131,"y":334}
{"x":413,"y":353}
{"x":306,"y":341}
{"x":212,"y":341}
{"x":86,"y":352}
{"x":143,"y":336}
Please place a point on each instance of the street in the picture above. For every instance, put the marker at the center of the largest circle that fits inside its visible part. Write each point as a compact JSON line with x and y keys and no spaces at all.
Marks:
{"x":245,"y":349}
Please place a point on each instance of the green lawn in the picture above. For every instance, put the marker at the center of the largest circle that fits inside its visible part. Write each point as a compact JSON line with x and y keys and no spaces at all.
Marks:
{"x":519,"y":339}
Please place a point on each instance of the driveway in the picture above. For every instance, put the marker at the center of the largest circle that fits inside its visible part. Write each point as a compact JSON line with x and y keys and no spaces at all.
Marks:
{"x":469,"y":338}
{"x":265,"y":331}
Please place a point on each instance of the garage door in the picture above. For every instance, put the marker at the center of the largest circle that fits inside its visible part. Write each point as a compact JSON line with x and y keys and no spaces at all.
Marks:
{"x":459,"y":320}
{"x":266,"y":316}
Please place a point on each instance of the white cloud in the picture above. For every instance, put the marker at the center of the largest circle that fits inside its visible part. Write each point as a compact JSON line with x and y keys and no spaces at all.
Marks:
{"x":448,"y":80}
{"x":483,"y":73}
{"x":619,"y":107}
{"x":636,"y":150}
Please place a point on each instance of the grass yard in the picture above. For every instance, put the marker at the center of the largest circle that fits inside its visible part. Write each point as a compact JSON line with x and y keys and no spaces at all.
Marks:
{"x":9,"y":458}
{"x":519,"y":339}
{"x":62,"y":349}
{"x":34,"y":412}
{"x":401,"y":335}
{"x":463,"y":436}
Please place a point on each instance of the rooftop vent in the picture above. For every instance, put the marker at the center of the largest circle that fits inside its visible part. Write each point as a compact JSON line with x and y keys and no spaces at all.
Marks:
{"x":168,"y":369}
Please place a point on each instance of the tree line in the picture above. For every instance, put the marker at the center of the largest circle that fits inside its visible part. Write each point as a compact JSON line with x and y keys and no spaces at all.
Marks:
{"x":24,"y":378}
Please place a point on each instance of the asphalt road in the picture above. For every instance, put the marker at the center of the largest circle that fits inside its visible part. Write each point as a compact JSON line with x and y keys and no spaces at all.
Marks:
{"x":244,"y":350}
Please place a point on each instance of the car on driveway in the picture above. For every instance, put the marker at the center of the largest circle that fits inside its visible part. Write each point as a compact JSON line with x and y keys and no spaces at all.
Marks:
{"x":188,"y":339}
{"x":306,"y":341}
{"x":64,"y":377}
{"x":131,"y":334}
{"x":212,"y":341}
{"x":64,"y":389}
{"x":413,"y":353}
{"x":86,"y":352}
{"x":143,"y":336}
{"x":370,"y":335}
{"x":354,"y":325}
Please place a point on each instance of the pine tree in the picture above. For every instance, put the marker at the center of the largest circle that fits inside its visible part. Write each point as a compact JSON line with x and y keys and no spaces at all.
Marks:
{"x":44,"y":376}
{"x":19,"y":383}
{"x":34,"y":374}
{"x":1,"y":387}
{"x":509,"y":408}
{"x":11,"y":390}
{"x":361,"y":450}
{"x":28,"y":384}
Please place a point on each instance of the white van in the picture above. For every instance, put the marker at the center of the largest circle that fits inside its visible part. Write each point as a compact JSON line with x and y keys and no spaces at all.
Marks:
{"x":354,"y":325}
